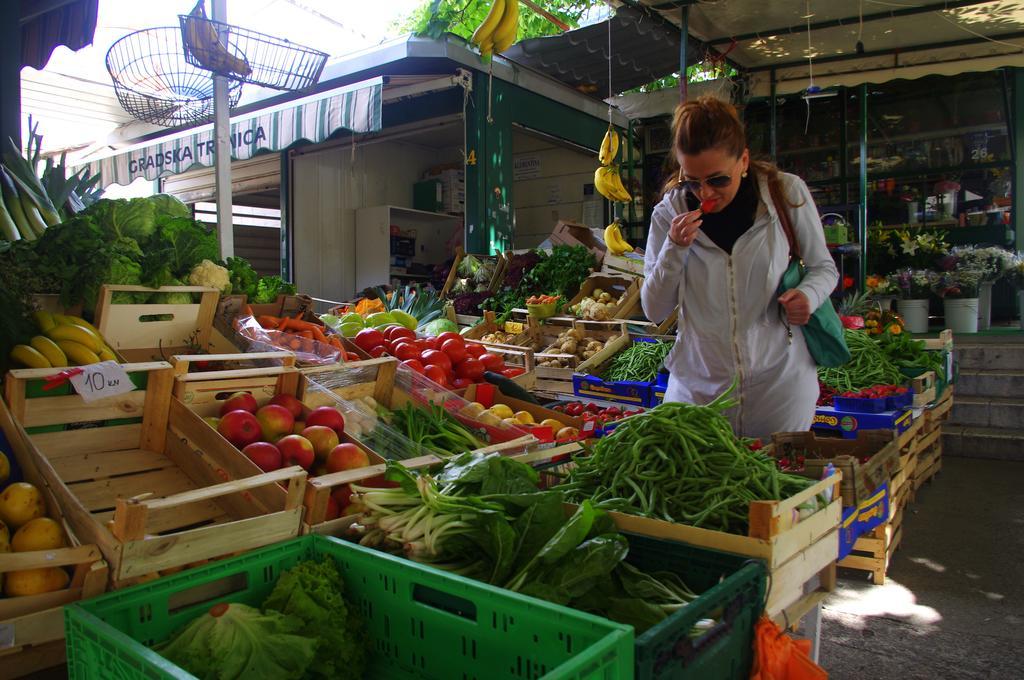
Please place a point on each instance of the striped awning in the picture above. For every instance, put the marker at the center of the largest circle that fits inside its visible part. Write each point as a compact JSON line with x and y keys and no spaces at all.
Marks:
{"x":356,"y":107}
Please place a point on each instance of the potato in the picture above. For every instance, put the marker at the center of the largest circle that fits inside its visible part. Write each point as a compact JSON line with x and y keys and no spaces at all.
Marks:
{"x":567,"y":433}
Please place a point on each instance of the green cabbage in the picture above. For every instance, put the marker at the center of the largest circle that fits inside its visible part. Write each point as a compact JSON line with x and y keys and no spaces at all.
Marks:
{"x":172,"y":298}
{"x":168,"y":205}
{"x":438,"y":326}
{"x":135,"y":219}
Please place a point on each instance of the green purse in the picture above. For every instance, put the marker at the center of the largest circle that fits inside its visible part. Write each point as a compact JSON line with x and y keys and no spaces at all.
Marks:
{"x":823,"y":332}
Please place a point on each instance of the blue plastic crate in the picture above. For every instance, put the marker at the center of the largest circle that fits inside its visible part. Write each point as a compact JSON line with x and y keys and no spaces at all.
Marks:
{"x":849,"y":423}
{"x":899,"y":401}
{"x":621,"y":392}
{"x":861,"y":405}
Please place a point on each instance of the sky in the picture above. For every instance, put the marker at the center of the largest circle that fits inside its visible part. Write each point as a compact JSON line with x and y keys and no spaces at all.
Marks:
{"x":73,"y":98}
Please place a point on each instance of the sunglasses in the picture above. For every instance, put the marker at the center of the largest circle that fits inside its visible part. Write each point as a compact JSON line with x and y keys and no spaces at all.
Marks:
{"x":694,"y":185}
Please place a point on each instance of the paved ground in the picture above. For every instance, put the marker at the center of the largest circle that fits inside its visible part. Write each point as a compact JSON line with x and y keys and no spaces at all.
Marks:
{"x":953,"y":605}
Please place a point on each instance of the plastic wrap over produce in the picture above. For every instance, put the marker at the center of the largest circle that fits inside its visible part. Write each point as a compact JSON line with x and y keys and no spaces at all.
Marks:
{"x":310,"y":345}
{"x":423,"y":412}
{"x":365,"y":423}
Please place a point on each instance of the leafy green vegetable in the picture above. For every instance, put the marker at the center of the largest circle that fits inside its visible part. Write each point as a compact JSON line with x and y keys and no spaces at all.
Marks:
{"x":438,"y":326}
{"x":135,"y":219}
{"x":237,"y":641}
{"x":182,"y":243}
{"x":312,"y":591}
{"x":172,"y":298}
{"x":243,"y":277}
{"x":482,"y":516}
{"x":270,"y":287}
{"x":170,"y":206}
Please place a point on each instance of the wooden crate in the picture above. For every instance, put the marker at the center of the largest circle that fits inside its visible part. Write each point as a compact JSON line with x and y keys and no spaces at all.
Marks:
{"x":460,"y":254}
{"x":558,"y":381}
{"x":155,"y":332}
{"x":943,"y":342}
{"x":489,"y":324}
{"x":618,"y":265}
{"x":924,"y":389}
{"x":936,"y":414}
{"x":147,"y":481}
{"x":626,"y":289}
{"x":32,"y":626}
{"x":799,"y":553}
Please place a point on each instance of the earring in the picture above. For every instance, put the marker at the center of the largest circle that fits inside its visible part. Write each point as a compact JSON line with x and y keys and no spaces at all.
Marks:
{"x":743,"y":174}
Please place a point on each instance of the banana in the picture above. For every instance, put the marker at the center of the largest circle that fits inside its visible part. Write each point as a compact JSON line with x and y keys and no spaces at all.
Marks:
{"x":614,"y":240}
{"x":49,"y":349}
{"x":69,"y":320}
{"x":77,"y":334}
{"x":78,"y":353}
{"x":609,"y":184}
{"x":483,"y":36}
{"x":29,"y":356}
{"x":609,"y":147}
{"x":206,"y":47}
{"x":106,"y":354}
{"x":44,"y":320}
{"x":508,"y":28}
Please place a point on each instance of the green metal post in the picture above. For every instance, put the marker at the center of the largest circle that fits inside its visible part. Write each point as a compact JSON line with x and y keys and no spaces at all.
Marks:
{"x":772,"y":121}
{"x":862,"y":227}
{"x":498,"y":166}
{"x":844,"y":189}
{"x":633,"y":229}
{"x":10,"y":72}
{"x":1018,"y":156}
{"x":476,"y":167}
{"x":684,"y":39}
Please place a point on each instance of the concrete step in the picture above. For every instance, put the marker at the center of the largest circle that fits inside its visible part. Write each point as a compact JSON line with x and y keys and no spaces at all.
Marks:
{"x":1000,"y":412}
{"x":990,"y":382}
{"x":983,"y":442}
{"x":990,"y":356}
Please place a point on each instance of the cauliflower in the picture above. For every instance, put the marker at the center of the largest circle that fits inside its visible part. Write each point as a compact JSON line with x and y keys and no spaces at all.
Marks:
{"x":211,"y":275}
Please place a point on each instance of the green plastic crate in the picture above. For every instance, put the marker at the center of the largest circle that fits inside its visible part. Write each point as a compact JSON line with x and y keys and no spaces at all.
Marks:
{"x":424,"y":623}
{"x":732,"y":591}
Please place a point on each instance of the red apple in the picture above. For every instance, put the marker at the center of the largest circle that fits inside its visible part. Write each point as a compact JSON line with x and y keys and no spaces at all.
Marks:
{"x":266,"y":456}
{"x":239,"y":401}
{"x":212,"y":421}
{"x":327,"y":416}
{"x":296,"y":450}
{"x":346,"y":457}
{"x":333,"y":511}
{"x":342,"y":495}
{"x":323,"y":438}
{"x":290,"y":403}
{"x":275,"y":421}
{"x":299,"y":426}
{"x":240,"y":428}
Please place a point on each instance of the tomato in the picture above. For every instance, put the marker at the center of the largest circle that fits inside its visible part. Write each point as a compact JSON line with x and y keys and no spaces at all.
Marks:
{"x":389,"y":347}
{"x":436,"y":358}
{"x":388,"y":331}
{"x":474,"y":350}
{"x":423,"y":344}
{"x":455,"y":349}
{"x":437,"y":374}
{"x":513,"y":372}
{"x":492,"y":362}
{"x":459,"y":383}
{"x":449,"y":335}
{"x":472,"y":369}
{"x":368,"y":338}
{"x":405,"y":351}
{"x":401,"y":332}
{"x":414,"y":364}
{"x":378,"y":351}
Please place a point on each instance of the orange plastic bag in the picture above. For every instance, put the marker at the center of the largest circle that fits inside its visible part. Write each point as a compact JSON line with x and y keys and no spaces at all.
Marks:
{"x":779,"y":657}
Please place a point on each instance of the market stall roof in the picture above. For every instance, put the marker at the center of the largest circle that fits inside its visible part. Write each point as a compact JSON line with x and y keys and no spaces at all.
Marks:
{"x":48,"y":24}
{"x":904,"y":39}
{"x":357,"y":107}
{"x":644,"y":48}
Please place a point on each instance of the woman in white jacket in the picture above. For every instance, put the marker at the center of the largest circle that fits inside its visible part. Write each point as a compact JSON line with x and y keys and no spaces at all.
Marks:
{"x":717,"y":251}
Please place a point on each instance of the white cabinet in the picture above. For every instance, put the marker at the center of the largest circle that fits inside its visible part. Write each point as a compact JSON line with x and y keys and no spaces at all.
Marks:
{"x":374,"y":256}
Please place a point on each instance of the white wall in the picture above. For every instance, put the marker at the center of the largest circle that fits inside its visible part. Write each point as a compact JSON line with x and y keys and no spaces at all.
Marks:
{"x":556,"y":193}
{"x":327,"y":189}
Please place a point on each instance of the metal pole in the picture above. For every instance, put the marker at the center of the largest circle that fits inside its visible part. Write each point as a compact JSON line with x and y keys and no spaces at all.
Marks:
{"x":684,"y":41}
{"x":773,"y":139}
{"x":862,"y":228}
{"x":222,"y":150}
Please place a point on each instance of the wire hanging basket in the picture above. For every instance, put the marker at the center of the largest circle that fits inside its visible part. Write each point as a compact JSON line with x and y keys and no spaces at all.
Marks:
{"x":246,"y":55}
{"x":154,"y":82}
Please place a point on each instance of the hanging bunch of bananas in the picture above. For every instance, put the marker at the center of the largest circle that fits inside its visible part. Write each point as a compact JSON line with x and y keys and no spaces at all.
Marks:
{"x":202,"y":41}
{"x":614,"y":240}
{"x":607,"y":178}
{"x":498,"y":31}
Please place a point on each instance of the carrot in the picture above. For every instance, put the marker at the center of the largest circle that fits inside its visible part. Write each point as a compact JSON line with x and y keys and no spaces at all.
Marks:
{"x":319,"y":336}
{"x":283,"y":325}
{"x":248,"y":311}
{"x":296,"y":325}
{"x":267,"y":321}
{"x":305,"y":335}
{"x":294,"y":342}
{"x":352,"y":357}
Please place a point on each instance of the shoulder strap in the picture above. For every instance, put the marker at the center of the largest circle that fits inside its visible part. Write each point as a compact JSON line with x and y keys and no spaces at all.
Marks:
{"x":781,"y":207}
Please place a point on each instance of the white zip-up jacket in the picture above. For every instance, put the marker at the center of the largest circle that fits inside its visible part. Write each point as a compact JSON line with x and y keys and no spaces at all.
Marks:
{"x":729,"y":315}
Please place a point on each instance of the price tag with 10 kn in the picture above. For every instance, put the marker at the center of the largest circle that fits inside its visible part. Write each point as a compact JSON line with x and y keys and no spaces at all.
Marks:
{"x":102,"y":380}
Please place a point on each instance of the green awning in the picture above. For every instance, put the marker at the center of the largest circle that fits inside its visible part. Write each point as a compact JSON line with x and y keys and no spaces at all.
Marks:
{"x":315,"y":118}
